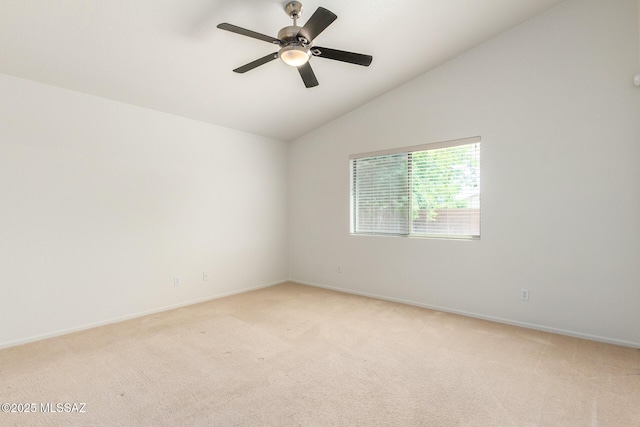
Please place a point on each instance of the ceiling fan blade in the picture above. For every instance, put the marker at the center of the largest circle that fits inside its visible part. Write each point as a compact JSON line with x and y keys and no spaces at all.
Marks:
{"x":248,"y":33}
{"x":341,"y":55}
{"x":318,"y":22}
{"x":258,"y":62}
{"x":308,"y":76}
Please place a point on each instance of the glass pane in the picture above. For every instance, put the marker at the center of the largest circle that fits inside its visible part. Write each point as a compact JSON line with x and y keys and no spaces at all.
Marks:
{"x":446,"y":191}
{"x":381,"y":194}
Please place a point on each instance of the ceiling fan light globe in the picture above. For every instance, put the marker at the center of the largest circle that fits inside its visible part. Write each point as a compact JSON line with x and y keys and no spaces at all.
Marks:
{"x":294,"y":56}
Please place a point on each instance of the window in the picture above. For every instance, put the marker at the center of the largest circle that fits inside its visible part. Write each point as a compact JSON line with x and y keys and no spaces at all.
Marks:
{"x":430,"y":190}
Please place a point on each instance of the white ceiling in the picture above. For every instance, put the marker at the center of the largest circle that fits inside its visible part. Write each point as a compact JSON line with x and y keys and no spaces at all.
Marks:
{"x":169,"y":56}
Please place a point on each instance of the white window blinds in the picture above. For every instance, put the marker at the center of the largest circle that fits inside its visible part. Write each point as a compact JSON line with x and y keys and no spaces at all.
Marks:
{"x":428,"y":190}
{"x":382,"y":202}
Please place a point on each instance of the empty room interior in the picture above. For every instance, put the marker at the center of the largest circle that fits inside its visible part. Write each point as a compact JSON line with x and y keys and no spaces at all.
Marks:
{"x":209,"y":218}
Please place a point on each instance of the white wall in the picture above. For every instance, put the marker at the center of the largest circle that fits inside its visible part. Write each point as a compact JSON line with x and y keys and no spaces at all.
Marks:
{"x":559,"y":117}
{"x":103,"y":203}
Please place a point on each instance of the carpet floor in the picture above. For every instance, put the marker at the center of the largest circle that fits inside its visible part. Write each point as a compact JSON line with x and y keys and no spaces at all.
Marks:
{"x":294,"y":355}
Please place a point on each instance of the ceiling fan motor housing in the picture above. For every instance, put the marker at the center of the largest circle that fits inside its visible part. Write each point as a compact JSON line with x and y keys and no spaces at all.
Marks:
{"x":294,"y":51}
{"x":289,"y":35}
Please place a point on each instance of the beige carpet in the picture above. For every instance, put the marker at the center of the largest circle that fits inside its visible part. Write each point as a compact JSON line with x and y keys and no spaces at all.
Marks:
{"x":297,"y":355}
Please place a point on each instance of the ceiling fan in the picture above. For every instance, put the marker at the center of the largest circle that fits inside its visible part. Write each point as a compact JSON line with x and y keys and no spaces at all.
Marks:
{"x":296,"y":43}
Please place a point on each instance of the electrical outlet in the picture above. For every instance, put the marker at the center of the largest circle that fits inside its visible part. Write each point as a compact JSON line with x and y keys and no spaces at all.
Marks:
{"x":524,"y":294}
{"x":176,"y":281}
{"x":205,"y":277}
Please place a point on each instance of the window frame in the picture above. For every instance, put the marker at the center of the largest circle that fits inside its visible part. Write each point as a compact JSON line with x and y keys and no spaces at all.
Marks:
{"x":410,"y":225}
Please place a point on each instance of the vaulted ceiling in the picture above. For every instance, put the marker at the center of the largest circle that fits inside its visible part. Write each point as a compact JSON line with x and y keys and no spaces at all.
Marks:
{"x":169,"y":56}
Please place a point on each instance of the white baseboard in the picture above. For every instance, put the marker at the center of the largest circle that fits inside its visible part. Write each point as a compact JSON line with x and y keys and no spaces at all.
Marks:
{"x":133,"y":316}
{"x":479,"y":316}
{"x":333,"y":288}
